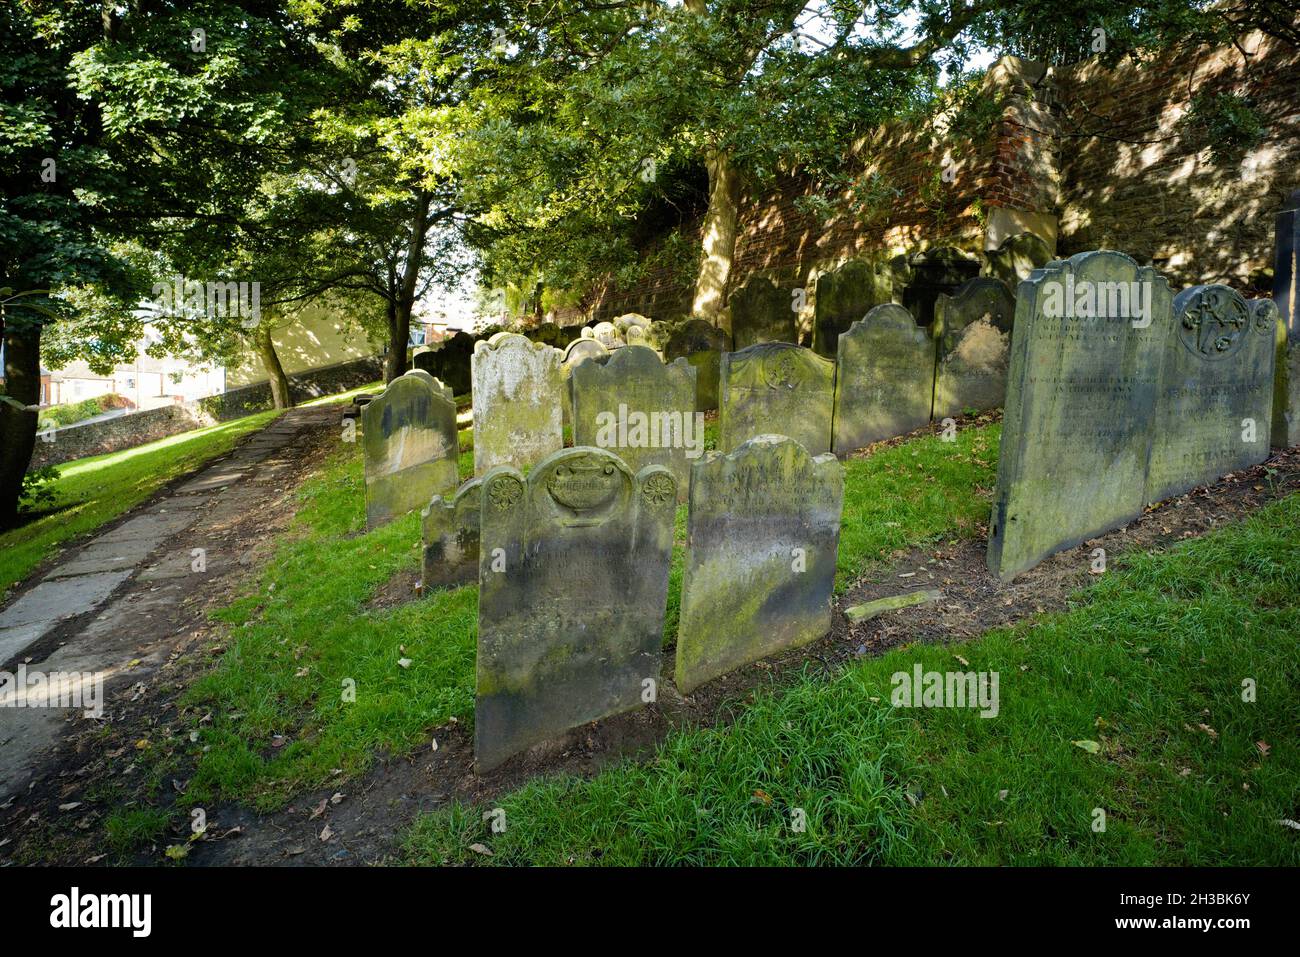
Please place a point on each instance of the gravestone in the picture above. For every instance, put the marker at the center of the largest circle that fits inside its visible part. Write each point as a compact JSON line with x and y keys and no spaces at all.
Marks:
{"x":606,"y":333}
{"x":701,"y":344}
{"x":776,"y":388}
{"x":1082,"y":387}
{"x":1286,"y":294}
{"x":575,"y":353}
{"x":454,"y":358}
{"x":884,"y":380}
{"x":1018,"y":257}
{"x":449,"y":530}
{"x":425,"y":359}
{"x":760,"y":312}
{"x":573,"y":582}
{"x":641,"y":409}
{"x":435,"y":384}
{"x":547,"y":332}
{"x":930,"y":273}
{"x":843,"y":297}
{"x":409,"y":446}
{"x":628,"y":321}
{"x":972,"y":330}
{"x":762,"y":539}
{"x":1213,"y":409}
{"x":517,"y":402}
{"x":657,"y":335}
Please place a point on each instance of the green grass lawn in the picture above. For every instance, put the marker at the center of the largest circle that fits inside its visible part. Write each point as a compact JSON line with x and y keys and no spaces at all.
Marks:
{"x":1130,"y":704}
{"x":95,"y":490}
{"x":305,"y":629}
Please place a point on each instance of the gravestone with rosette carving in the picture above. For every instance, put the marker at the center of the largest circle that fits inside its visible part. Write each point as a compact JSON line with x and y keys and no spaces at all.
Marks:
{"x":776,"y":388}
{"x":573,"y":582}
{"x":449,"y":530}
{"x":409,"y":446}
{"x":1212,"y":413}
{"x":761,"y":547}
{"x":972,"y":330}
{"x":1083,"y":381}
{"x":641,"y":409}
{"x":884,"y":378}
{"x":517,"y":402}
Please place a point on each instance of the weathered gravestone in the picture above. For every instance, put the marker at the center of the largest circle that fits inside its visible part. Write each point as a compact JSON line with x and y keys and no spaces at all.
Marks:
{"x":972,"y":330}
{"x":776,"y":388}
{"x":573,"y":581}
{"x":606,"y":333}
{"x":884,"y":380}
{"x":843,"y":297}
{"x":425,"y":359}
{"x":641,"y":409}
{"x":760,"y":312}
{"x":1018,"y":256}
{"x":625,"y":323}
{"x":925,"y":275}
{"x":517,"y":402}
{"x":547,"y":332}
{"x":575,"y":353}
{"x":1286,"y":294}
{"x":434,"y":383}
{"x":410,"y":447}
{"x":453,"y":359}
{"x":701,"y":344}
{"x":449,"y":530}
{"x":761,"y":547}
{"x":1082,"y":386}
{"x":657,"y":335}
{"x":1212,"y":412}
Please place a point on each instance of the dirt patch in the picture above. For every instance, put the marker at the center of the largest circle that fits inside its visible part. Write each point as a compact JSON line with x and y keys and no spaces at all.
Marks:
{"x":360,"y":821}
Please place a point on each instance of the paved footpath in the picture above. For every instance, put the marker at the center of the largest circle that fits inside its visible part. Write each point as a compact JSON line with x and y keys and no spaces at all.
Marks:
{"x":107,"y":603}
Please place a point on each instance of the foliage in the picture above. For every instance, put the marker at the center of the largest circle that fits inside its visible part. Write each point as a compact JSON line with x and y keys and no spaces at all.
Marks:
{"x":1227,"y":123}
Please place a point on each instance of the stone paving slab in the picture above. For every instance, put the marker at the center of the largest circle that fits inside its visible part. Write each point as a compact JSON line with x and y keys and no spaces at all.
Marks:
{"x":15,"y":639}
{"x":155,"y":526}
{"x":205,"y":483}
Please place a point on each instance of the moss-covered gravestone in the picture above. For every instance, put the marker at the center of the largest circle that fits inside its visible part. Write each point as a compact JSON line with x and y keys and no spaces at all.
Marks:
{"x":607,"y":334}
{"x":1286,"y":296}
{"x":449,"y":530}
{"x":972,"y":330}
{"x":573,"y":581}
{"x":517,"y":402}
{"x":776,"y":388}
{"x":843,"y":297}
{"x":1213,"y":409}
{"x":575,"y":353}
{"x":408,"y":435}
{"x":884,"y":378}
{"x":1018,"y":257}
{"x":1286,"y":386}
{"x":760,"y":556}
{"x":1082,"y":387}
{"x":641,"y":409}
{"x":701,"y":344}
{"x":760,"y":312}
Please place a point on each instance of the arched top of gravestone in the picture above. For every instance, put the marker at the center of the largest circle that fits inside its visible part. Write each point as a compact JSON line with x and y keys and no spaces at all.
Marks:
{"x":634,"y":359}
{"x":1214,"y":321}
{"x":466,"y":490}
{"x":888,"y":314}
{"x":1265,"y":312}
{"x":696,"y":335}
{"x":588,"y":333}
{"x":826,"y":465}
{"x":1018,"y":256}
{"x":658,"y":334}
{"x":580,"y":350}
{"x":438,"y":386}
{"x":503,"y":341}
{"x":973,"y":300}
{"x":786,"y":364}
{"x":628,"y":319}
{"x":607,"y":335}
{"x":547,"y":332}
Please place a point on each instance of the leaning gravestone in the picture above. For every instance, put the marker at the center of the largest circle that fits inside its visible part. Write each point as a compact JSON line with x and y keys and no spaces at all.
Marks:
{"x":410,"y":446}
{"x":760,"y":557}
{"x":776,"y":388}
{"x":1018,"y":257}
{"x":517,"y":398}
{"x":1090,"y":337}
{"x":641,"y":409}
{"x":884,"y":380}
{"x":843,"y":297}
{"x":449,"y":530}
{"x":573,"y":581}
{"x":1212,"y":412}
{"x":760,"y":312}
{"x":1286,"y":295}
{"x":972,"y":330}
{"x":701,"y":344}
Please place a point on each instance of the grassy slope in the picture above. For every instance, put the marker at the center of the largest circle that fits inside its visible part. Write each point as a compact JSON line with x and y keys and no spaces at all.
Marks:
{"x":306,"y":628}
{"x":95,"y":490}
{"x":1149,"y":665}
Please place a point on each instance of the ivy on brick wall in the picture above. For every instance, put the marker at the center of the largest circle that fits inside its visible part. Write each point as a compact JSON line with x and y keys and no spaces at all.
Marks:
{"x":1227,"y":123}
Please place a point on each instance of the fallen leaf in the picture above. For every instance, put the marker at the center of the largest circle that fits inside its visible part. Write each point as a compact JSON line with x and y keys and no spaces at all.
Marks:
{"x":1092,"y":747}
{"x":480,"y":849}
{"x":178,"y":852}
{"x":71,"y":805}
{"x":404,"y":662}
{"x":327,"y":833}
{"x":318,"y":810}
{"x":1264,"y":747}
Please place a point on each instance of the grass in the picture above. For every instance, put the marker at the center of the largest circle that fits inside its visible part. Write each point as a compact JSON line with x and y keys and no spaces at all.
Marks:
{"x":1132,"y":702}
{"x":307,"y":627}
{"x":92,"y":491}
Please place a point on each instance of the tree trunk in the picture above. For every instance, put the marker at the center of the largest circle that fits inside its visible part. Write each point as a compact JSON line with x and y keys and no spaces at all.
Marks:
{"x":399,"y":312}
{"x":17,"y":426}
{"x":280,"y":396}
{"x":719,"y":236}
{"x":395,"y":361}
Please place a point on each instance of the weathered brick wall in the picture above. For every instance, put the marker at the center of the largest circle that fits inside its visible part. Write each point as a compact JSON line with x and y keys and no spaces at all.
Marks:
{"x":1138,"y":181}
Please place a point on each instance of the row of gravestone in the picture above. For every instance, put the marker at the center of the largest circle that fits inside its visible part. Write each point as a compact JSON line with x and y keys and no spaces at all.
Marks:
{"x":1121,"y":394}
{"x":572,"y":564}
